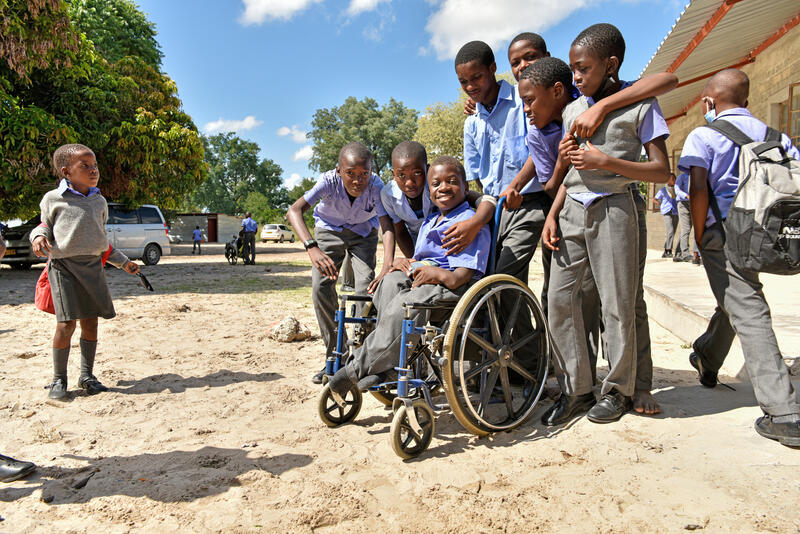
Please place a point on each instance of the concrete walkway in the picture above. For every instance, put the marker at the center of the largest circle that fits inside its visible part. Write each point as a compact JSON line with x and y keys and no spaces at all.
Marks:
{"x":679,"y":299}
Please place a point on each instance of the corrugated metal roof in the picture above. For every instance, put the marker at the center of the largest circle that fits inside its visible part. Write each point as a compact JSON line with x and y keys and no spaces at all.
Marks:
{"x":748,"y":24}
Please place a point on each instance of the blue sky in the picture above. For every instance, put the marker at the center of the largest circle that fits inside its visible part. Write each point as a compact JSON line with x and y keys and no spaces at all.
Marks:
{"x":262,"y":67}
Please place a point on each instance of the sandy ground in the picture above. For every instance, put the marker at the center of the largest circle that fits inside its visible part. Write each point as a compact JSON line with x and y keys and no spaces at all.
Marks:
{"x":212,"y":427}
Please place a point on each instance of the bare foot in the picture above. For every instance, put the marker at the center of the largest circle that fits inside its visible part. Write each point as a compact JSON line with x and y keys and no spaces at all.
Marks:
{"x":645,"y":403}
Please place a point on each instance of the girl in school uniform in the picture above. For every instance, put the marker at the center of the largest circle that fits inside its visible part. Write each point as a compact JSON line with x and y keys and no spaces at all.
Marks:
{"x":73,"y":235}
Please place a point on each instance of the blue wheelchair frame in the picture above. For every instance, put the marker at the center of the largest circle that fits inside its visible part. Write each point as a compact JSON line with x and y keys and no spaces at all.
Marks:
{"x":404,"y":383}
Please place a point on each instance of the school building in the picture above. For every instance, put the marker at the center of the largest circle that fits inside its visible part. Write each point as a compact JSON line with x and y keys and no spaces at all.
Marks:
{"x":760,"y":37}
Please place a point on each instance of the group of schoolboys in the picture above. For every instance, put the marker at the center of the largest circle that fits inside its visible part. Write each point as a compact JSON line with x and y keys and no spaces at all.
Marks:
{"x":672,"y":200}
{"x":569,"y":175}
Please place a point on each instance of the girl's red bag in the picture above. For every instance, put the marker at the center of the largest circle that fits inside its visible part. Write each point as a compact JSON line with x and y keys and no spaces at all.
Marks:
{"x":43,"y":298}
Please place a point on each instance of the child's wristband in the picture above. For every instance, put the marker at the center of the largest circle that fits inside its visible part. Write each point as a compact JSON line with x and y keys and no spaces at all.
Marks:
{"x":487,"y":198}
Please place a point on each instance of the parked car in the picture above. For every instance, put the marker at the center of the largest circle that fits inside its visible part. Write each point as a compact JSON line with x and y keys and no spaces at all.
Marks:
{"x":276,"y":232}
{"x":140,"y":233}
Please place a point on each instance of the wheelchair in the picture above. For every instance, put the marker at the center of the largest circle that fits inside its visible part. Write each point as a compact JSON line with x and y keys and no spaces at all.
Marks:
{"x":233,"y":250}
{"x":488,"y":352}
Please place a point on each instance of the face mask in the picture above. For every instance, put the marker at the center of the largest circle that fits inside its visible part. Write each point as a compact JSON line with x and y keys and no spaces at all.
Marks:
{"x":711,"y":114}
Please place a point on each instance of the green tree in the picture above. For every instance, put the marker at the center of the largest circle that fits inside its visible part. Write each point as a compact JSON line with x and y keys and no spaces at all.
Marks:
{"x":55,"y":91}
{"x":380,"y":128}
{"x":440,"y":129}
{"x":298,"y":191}
{"x":235,"y":172}
{"x":118,"y":29}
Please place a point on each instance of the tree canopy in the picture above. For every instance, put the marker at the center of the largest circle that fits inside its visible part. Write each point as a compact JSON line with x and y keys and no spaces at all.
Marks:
{"x":379,"y":128}
{"x":56,"y":90}
{"x":440,"y":129}
{"x":238,"y":181}
{"x":118,"y":29}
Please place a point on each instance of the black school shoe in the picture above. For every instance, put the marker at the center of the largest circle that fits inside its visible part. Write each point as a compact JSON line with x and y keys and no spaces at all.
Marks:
{"x":58,"y":389}
{"x":784,"y":433}
{"x":317,"y":378}
{"x":707,"y":378}
{"x":610,"y":408}
{"x":11,"y":469}
{"x":91,"y":384}
{"x":566,"y":408}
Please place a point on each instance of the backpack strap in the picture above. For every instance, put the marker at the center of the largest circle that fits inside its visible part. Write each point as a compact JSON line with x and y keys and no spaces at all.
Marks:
{"x":730,"y":131}
{"x":772,"y":140}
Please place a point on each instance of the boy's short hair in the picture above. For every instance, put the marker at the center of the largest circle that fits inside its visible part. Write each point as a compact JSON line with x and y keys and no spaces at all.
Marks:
{"x":453,"y":163}
{"x":475,"y":51}
{"x":63,"y":155}
{"x":547,"y":71}
{"x":731,"y":84}
{"x":357,"y":150}
{"x":410,"y":150}
{"x":533,"y":38}
{"x":603,"y":39}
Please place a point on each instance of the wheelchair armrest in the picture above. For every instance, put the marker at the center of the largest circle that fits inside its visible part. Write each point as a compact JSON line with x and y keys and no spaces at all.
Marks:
{"x":357,"y":298}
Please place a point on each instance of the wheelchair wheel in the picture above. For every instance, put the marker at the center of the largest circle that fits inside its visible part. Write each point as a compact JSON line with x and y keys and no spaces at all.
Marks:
{"x":334,"y":415}
{"x":230,"y":255}
{"x":406,"y":443}
{"x":496,"y":354}
{"x":387,"y":397}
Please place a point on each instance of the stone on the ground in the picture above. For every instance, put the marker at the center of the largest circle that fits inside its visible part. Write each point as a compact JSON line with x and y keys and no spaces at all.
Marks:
{"x":289,"y":329}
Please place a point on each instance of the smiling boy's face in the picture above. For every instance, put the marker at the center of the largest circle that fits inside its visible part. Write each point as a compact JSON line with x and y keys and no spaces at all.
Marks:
{"x":521,"y":54}
{"x":82,"y":171}
{"x":447,"y":187}
{"x":355,"y":174}
{"x":409,"y":175}
{"x":589,"y":71}
{"x":477,"y":80}
{"x":541,"y":104}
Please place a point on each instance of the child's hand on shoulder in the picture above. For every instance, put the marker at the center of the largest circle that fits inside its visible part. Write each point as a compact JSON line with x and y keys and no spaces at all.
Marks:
{"x":131,"y":267}
{"x":588,"y":121}
{"x":588,"y":158}
{"x":469,"y":107}
{"x":460,"y":235}
{"x":41,"y":246}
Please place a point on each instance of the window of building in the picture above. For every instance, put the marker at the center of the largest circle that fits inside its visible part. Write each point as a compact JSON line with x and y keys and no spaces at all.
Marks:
{"x":792,"y":114}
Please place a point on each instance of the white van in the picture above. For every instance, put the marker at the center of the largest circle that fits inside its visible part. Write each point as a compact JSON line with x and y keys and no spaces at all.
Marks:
{"x":138,"y":232}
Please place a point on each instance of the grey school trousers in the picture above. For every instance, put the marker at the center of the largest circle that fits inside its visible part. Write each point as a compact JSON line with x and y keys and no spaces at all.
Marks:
{"x":742,"y":310}
{"x":685,"y":221}
{"x":602,"y":239}
{"x":323,"y":291}
{"x":670,"y":223}
{"x":381,"y":350}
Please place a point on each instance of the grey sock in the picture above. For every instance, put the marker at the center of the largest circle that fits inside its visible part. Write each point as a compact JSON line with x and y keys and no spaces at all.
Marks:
{"x":60,"y":358}
{"x":88,"y":350}
{"x":790,"y":418}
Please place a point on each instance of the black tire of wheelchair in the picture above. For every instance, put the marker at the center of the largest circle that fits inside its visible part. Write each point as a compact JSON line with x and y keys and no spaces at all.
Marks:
{"x":231,"y":258}
{"x":449,"y":380}
{"x":400,"y":421}
{"x":347,"y":416}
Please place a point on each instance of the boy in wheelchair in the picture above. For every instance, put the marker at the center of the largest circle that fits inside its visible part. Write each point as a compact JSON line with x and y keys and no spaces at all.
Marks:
{"x":430,"y":276}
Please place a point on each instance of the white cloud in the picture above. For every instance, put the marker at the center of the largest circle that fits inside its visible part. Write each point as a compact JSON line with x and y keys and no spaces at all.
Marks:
{"x":303,"y":153}
{"x":293,"y":180}
{"x":360,"y":6}
{"x":257,"y":11}
{"x":457,"y":22}
{"x":225,"y":125}
{"x":298,"y":135}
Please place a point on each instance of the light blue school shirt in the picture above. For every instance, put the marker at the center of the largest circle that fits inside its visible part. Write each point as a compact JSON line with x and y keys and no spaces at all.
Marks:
{"x":335,"y":212}
{"x":65,"y":185}
{"x":653,"y":126}
{"x":398,"y":208}
{"x":197,"y":235}
{"x":249,"y":225}
{"x":682,"y":188}
{"x":494,"y":143}
{"x":668,"y":204}
{"x":429,"y":244}
{"x":720,"y":156}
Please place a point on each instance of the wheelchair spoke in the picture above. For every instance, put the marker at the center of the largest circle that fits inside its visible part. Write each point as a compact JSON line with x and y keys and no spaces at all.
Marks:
{"x":486,"y":392}
{"x":524,"y":341}
{"x":522,"y":371}
{"x":479,"y":369}
{"x":507,"y":394}
{"x":482,"y":343}
{"x":341,"y":411}
{"x":495,"y":324}
{"x":512,"y":320}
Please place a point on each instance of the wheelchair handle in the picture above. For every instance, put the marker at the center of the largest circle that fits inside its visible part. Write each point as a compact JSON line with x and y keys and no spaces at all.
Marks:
{"x":357,"y":298}
{"x":493,"y":250}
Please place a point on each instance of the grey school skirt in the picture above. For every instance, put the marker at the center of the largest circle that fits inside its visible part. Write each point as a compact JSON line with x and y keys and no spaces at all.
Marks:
{"x":79,"y":288}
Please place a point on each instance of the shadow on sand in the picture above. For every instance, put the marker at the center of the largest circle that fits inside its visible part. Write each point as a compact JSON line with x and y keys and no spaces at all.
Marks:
{"x":175,"y":383}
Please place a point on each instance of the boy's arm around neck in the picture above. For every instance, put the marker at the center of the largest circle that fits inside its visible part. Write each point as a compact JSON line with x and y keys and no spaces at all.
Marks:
{"x":649,"y":86}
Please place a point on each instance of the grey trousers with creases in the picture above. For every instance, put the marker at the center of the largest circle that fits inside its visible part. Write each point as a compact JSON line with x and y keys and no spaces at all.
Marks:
{"x":323,"y":290}
{"x":685,"y":222}
{"x":742,"y":310}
